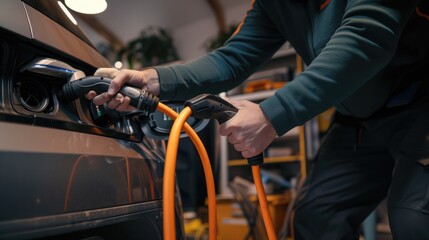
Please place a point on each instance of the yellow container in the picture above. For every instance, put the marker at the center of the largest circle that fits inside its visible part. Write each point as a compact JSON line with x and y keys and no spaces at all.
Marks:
{"x":231,"y":222}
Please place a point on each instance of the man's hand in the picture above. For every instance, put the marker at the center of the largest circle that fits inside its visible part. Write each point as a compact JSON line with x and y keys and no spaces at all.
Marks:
{"x":249,"y":130}
{"x":147,"y":79}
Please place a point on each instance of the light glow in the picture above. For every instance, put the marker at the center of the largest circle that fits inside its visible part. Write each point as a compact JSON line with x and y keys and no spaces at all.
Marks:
{"x":118,"y":64}
{"x":87,"y":6}
{"x":66,"y":11}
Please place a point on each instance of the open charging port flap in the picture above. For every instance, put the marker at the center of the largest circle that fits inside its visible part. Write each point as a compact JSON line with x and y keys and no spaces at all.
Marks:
{"x":158,"y":125}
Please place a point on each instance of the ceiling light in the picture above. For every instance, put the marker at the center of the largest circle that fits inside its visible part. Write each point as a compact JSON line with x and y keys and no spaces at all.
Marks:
{"x":87,"y":6}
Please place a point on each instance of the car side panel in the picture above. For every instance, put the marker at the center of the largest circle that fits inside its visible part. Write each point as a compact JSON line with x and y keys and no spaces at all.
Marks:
{"x":47,"y":171}
{"x":56,"y":182}
{"x":51,"y":33}
{"x":13,"y":17}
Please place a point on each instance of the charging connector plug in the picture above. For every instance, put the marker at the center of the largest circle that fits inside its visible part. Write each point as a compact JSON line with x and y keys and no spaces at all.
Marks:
{"x":208,"y":106}
{"x":73,"y":90}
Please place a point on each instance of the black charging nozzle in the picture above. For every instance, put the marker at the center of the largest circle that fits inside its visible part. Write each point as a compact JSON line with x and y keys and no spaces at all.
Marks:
{"x":142,"y":100}
{"x":208,"y":106}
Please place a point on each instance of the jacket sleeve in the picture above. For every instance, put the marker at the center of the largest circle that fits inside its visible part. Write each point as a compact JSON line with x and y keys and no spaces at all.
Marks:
{"x":360,"y":48}
{"x":254,"y":42}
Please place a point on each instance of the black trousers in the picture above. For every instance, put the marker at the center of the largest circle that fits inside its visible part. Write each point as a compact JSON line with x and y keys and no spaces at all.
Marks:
{"x":359,"y":164}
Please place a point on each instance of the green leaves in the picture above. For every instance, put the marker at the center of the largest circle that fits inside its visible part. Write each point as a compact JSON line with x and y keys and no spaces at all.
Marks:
{"x":154,"y":46}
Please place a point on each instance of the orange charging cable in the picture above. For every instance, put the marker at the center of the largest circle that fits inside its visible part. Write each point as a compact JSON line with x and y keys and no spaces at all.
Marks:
{"x":263,"y":203}
{"x":169,"y":227}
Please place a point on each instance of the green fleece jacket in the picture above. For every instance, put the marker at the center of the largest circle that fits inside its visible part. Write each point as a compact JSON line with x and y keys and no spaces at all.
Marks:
{"x":352,"y":48}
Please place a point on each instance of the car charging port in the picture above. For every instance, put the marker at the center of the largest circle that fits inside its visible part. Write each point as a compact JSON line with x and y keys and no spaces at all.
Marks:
{"x":33,"y":95}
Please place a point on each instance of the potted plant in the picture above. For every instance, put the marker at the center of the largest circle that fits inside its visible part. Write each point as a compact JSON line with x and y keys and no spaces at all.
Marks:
{"x":154,"y":46}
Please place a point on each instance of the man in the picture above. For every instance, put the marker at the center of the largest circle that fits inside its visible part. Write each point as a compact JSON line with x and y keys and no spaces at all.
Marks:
{"x":364,"y":57}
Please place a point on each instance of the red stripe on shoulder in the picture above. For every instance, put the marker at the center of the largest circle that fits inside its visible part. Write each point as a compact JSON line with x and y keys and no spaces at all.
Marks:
{"x":324,"y":4}
{"x":242,"y":21}
{"x":421,"y":14}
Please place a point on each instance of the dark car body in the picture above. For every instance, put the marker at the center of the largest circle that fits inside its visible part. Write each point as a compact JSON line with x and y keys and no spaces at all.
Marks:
{"x":68,"y":170}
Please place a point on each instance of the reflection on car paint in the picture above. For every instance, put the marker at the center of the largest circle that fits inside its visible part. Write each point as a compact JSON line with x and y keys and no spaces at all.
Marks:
{"x":39,"y":184}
